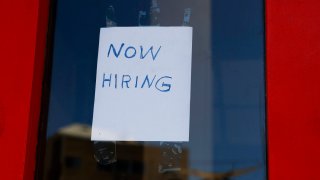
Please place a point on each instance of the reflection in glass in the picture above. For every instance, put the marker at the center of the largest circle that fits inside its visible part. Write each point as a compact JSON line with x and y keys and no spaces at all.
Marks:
{"x":227,"y":133}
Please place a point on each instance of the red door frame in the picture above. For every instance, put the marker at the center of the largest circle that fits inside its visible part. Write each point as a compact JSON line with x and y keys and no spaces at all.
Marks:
{"x":293,"y":88}
{"x":23,"y":41}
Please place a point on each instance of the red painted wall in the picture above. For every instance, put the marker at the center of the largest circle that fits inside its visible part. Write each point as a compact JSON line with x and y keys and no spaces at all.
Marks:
{"x":22,"y":43}
{"x":293,"y":88}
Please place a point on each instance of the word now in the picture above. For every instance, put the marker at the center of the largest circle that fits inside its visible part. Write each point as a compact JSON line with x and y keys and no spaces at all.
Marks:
{"x":128,"y":81}
{"x":131,"y":51}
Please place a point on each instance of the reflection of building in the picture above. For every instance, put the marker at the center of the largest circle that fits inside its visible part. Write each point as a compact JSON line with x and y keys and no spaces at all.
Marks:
{"x":70,"y":155}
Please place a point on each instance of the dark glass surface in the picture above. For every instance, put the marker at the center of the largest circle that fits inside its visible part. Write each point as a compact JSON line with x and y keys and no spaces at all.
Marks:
{"x":227,"y":126}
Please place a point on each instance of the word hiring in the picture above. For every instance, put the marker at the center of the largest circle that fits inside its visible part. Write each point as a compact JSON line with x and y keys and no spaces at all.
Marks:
{"x":131,"y":51}
{"x":128,"y":81}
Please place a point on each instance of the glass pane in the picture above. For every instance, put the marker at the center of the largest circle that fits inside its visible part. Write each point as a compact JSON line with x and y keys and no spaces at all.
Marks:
{"x":227,"y":124}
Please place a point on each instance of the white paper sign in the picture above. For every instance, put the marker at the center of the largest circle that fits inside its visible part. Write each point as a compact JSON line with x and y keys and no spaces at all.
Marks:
{"x":143,"y":84}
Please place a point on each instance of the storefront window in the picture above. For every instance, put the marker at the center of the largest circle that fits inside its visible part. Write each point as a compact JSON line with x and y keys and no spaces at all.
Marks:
{"x":227,"y":114}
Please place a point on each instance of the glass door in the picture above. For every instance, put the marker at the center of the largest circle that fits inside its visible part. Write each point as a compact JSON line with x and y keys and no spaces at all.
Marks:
{"x":227,"y":113}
